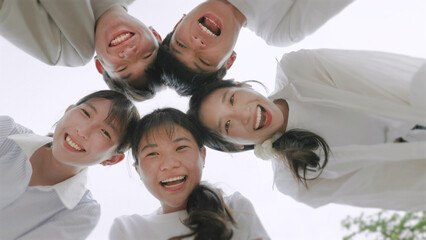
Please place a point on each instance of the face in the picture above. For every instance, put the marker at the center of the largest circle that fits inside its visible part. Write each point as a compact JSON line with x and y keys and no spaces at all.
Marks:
{"x":124,"y":46}
{"x":205,"y":38}
{"x":170,"y":166}
{"x":82,"y":136}
{"x":241,"y":115}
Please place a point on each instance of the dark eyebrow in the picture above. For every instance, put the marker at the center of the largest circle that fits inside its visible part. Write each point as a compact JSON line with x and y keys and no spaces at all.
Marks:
{"x":112,"y":126}
{"x":152,"y":145}
{"x":149,"y":146}
{"x":174,"y":49}
{"x":195,"y":64}
{"x":224,"y":97}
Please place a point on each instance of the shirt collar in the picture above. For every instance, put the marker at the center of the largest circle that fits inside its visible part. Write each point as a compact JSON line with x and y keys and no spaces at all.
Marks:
{"x":69,"y":191}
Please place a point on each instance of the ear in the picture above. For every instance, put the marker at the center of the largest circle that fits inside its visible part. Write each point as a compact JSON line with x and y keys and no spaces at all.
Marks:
{"x":156,"y":34}
{"x":99,"y":66}
{"x":113,"y":160}
{"x":177,"y":24}
{"x":231,"y":60}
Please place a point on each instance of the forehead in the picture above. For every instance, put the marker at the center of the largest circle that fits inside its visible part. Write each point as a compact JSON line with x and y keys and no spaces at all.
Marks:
{"x":166,"y":133}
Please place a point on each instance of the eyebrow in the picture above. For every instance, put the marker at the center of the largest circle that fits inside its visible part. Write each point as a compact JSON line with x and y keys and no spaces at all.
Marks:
{"x":224,"y":97}
{"x":152,"y":145}
{"x":108,"y":123}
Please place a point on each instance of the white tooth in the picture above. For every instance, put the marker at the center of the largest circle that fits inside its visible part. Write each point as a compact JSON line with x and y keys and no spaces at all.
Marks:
{"x":206,"y":30}
{"x":259,"y":116}
{"x":173,"y":179}
{"x":72,"y":144}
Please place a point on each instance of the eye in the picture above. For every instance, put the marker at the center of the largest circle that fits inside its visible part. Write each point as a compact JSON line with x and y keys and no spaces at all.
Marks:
{"x":122,"y":69}
{"x":231,"y":100}
{"x":85,"y":112}
{"x":181,"y":147}
{"x":147,"y":56}
{"x":152,"y":154}
{"x":227,"y":124}
{"x":204,"y":62}
{"x":180,"y":44}
{"x":106,"y":133}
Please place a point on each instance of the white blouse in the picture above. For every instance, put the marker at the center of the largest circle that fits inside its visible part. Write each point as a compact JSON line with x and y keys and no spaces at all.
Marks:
{"x":359,"y":101}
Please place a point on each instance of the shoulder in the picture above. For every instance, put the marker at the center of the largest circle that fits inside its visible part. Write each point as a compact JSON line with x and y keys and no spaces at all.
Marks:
{"x":237,"y":201}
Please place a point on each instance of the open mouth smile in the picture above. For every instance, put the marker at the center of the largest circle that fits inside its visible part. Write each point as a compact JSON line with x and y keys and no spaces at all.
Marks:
{"x":174,"y":181}
{"x":73,"y":144}
{"x":121,"y":38}
{"x":209,"y":26}
{"x":260,"y":118}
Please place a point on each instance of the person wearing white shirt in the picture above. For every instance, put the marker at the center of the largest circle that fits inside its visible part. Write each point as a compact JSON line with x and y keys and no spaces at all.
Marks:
{"x":169,"y":157}
{"x":341,"y":127}
{"x":43,"y":179}
{"x":200,"y":48}
{"x":67,"y":33}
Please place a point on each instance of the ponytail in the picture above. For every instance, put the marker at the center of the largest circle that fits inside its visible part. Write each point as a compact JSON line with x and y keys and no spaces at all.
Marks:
{"x":208,"y":215}
{"x":297,"y":147}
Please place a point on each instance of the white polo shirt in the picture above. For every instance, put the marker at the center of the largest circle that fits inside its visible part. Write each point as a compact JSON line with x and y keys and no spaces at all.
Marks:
{"x":63,"y":211}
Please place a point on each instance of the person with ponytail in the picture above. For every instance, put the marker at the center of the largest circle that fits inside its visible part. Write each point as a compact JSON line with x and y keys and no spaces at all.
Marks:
{"x":43,"y":178}
{"x":169,"y":157}
{"x":348,"y":125}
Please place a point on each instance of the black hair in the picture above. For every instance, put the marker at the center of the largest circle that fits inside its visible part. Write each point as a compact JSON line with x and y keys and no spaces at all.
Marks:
{"x":297,"y":146}
{"x":208,"y":216}
{"x":178,"y":76}
{"x":152,"y":79}
{"x":123,"y":113}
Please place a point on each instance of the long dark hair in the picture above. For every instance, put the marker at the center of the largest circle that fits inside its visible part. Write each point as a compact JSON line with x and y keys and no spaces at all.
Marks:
{"x":208,"y":216}
{"x":297,"y":146}
{"x":178,"y":76}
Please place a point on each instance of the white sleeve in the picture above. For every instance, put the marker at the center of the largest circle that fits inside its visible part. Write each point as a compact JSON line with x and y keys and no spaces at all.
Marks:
{"x":71,"y":224}
{"x":117,"y":231}
{"x":246,"y":217}
{"x":9,"y":127}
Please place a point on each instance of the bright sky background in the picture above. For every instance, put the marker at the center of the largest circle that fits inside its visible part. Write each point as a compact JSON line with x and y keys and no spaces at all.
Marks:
{"x":36,"y":95}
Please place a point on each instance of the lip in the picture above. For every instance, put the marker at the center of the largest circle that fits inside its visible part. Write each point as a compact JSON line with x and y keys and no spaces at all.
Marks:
{"x":175,"y":187}
{"x":70,"y":148}
{"x":268,"y":119}
{"x":118,"y":34}
{"x":214,"y":18}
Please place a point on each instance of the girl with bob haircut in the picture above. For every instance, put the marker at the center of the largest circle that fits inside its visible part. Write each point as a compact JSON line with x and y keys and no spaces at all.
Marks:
{"x":43,"y":178}
{"x":169,"y":157}
{"x":346,"y":124}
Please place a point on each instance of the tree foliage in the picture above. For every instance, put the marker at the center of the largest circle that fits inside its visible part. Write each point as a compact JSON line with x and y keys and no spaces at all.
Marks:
{"x":387,"y":225}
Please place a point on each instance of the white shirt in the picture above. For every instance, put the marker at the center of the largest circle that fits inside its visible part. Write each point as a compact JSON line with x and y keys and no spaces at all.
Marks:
{"x":372,"y":93}
{"x":164,"y":226}
{"x":57,"y":32}
{"x":63,"y":211}
{"x":285,"y":22}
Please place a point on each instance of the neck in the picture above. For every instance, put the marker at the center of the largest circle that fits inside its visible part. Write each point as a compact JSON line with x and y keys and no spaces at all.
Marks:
{"x":239,"y":16}
{"x":47,"y":170}
{"x":283,"y":106}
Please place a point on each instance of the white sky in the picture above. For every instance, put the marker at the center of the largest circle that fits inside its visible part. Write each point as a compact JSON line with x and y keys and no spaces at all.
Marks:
{"x":36,"y":95}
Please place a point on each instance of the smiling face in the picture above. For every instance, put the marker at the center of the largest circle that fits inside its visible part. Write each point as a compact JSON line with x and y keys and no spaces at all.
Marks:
{"x":241,"y":115}
{"x":205,"y":38}
{"x":170,"y":166}
{"x":124,"y":46}
{"x":82,"y":136}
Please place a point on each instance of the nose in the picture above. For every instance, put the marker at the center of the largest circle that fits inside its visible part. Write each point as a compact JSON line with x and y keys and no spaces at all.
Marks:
{"x":127,"y":52}
{"x":198,"y":42}
{"x":242,"y":115}
{"x":169,"y":162}
{"x":83,"y":131}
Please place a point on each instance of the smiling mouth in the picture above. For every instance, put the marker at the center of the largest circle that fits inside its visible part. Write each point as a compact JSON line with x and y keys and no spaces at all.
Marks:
{"x":121,"y":38}
{"x":173,"y":182}
{"x":209,"y":26}
{"x":73,"y":145}
{"x":260,"y":117}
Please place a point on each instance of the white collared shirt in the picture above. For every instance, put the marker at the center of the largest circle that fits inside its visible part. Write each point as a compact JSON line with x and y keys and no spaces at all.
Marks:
{"x":335,"y":93}
{"x":65,"y":210}
{"x":163,"y":226}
